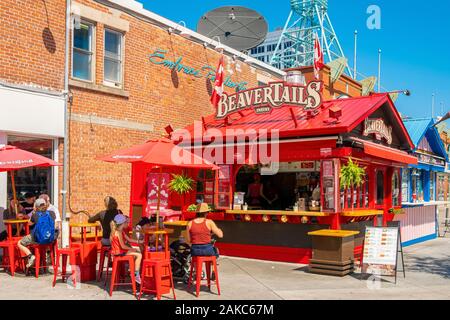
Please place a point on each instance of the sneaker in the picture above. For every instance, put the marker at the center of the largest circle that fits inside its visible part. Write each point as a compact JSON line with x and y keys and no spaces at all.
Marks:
{"x":137,"y":278}
{"x":31,"y":260}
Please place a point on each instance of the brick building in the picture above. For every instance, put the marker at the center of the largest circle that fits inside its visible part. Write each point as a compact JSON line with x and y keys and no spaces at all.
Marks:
{"x":32,"y":50}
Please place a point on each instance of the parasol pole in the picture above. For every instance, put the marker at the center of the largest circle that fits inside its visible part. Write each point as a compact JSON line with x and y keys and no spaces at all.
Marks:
{"x":159,"y":198}
{"x":13,"y":184}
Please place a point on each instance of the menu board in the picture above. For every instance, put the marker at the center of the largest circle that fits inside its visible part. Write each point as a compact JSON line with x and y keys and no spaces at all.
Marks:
{"x":380,"y":251}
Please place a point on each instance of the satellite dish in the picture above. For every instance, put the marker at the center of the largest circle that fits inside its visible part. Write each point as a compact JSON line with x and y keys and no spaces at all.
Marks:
{"x":238,"y":27}
{"x":367,"y":85}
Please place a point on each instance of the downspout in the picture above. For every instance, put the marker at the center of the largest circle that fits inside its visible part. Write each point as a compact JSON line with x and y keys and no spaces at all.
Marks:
{"x":65,"y":227}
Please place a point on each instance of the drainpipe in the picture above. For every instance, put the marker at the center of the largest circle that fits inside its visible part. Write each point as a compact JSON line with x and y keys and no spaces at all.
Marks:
{"x":65,"y":224}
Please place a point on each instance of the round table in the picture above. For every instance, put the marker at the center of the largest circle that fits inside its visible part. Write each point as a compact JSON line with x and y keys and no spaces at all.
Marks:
{"x":88,"y":249}
{"x":18,"y":223}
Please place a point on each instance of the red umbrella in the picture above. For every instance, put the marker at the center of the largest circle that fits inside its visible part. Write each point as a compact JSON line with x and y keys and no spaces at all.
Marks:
{"x":160,"y":153}
{"x":13,"y":158}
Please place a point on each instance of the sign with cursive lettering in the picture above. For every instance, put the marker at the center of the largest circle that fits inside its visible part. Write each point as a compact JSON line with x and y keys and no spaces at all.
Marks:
{"x":274,"y":95}
{"x":378,"y":128}
{"x":158,"y":57}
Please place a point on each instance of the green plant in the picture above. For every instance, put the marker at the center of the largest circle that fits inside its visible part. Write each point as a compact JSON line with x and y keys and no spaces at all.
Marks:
{"x":181,"y":184}
{"x":192,"y":208}
{"x":351,"y":175}
{"x":396,"y":211}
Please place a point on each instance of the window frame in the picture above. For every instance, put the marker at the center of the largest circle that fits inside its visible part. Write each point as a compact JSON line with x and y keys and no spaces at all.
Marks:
{"x":121,"y":61}
{"x":92,"y":52}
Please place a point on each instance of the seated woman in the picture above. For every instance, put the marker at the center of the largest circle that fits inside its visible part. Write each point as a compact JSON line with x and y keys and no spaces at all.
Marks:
{"x":9,"y":214}
{"x":199,"y":233}
{"x":120,"y":246}
{"x":105,"y":217}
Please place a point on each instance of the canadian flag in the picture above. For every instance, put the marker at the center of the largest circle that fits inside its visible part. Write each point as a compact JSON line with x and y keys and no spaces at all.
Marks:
{"x":318,"y":57}
{"x":218,"y":84}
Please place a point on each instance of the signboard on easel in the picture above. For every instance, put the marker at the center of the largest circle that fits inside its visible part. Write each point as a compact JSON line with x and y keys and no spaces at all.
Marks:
{"x":380,"y":251}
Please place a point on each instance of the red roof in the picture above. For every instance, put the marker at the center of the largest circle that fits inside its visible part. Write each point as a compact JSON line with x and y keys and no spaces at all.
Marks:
{"x":354,"y":111}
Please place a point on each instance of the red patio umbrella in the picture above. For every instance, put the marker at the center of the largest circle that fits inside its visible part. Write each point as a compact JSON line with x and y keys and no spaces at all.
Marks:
{"x":13,"y":158}
{"x":160,"y":153}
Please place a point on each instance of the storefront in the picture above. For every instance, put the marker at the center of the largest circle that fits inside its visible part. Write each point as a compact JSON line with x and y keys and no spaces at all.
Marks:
{"x":425,"y":185}
{"x":33,"y":121}
{"x":280,"y":149}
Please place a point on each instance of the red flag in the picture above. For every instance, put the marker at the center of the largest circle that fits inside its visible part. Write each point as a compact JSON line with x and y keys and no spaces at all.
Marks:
{"x":318,"y":57}
{"x":218,"y":84}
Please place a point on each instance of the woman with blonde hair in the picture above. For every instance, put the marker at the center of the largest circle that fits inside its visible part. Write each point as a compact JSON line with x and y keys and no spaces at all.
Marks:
{"x":120,"y":243}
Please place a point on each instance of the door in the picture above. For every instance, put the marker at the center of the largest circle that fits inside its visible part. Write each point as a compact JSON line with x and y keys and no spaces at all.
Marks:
{"x":381,"y":192}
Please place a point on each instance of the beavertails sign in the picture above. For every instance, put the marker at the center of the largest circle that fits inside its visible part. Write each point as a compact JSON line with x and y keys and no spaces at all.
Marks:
{"x":274,"y":95}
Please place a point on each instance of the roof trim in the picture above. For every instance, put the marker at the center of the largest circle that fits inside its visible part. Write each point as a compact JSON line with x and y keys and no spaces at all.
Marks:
{"x":137,"y":7}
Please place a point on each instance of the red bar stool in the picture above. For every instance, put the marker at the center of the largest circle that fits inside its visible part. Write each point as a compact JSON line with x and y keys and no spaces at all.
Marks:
{"x":197,"y":263}
{"x":64,"y":253}
{"x":9,"y":246}
{"x":40,"y":251}
{"x":119,"y":261}
{"x":157,"y":274}
{"x":105,"y":252}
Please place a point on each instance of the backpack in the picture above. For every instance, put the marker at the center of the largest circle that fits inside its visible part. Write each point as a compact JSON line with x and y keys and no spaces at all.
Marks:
{"x":44,"y":231}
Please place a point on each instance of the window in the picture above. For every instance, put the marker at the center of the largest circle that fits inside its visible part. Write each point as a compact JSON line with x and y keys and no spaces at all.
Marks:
{"x":205,"y":186}
{"x":395,"y":189}
{"x":405,"y":185}
{"x":432,"y":183}
{"x":35,"y":180}
{"x":82,"y":53}
{"x":113,"y":57}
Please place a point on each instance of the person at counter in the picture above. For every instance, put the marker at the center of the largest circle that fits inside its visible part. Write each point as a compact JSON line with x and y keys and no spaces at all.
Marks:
{"x":28,"y":204}
{"x":199,"y":233}
{"x":270,"y":195}
{"x":9,"y":214}
{"x":254,"y":191}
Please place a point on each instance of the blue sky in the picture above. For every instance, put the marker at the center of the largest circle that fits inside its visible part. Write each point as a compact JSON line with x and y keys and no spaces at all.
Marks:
{"x":414,"y":38}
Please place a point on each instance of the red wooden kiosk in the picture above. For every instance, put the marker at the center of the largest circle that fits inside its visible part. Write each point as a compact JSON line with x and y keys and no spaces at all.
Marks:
{"x":313,"y":139}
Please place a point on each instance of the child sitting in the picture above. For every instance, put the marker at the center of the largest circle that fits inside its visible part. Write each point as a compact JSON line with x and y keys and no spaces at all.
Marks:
{"x":120,"y":243}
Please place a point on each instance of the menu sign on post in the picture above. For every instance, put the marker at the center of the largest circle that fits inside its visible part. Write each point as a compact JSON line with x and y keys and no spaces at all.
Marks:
{"x":380,"y":251}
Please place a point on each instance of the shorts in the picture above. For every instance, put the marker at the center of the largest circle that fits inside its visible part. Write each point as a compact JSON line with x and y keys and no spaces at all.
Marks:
{"x":204,"y":250}
{"x":27,"y":241}
{"x":106,"y":242}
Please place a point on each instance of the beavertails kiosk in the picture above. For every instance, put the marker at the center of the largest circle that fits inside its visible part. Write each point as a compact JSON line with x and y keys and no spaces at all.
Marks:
{"x":280,"y":148}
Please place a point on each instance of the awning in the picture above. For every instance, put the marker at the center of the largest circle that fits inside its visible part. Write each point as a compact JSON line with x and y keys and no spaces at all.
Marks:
{"x":383,"y":152}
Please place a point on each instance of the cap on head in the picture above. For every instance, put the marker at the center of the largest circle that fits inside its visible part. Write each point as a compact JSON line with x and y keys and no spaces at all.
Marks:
{"x":120,"y":219}
{"x":40,"y":202}
{"x":202,"y":208}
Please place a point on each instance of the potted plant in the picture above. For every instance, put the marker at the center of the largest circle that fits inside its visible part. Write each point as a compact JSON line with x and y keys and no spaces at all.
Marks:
{"x":181,"y":184}
{"x":351,"y":176}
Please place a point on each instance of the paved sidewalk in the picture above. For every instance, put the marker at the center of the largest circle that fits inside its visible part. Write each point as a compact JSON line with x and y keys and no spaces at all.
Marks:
{"x":427,"y":277}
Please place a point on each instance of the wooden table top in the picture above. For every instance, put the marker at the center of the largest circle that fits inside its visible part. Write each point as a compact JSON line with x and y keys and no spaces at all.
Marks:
{"x":84,"y":225}
{"x":333,"y":233}
{"x":14,"y":221}
{"x":176,"y":223}
{"x":165,"y":231}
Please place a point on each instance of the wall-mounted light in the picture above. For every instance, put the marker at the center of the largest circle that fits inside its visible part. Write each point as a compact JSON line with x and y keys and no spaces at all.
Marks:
{"x":265,"y":218}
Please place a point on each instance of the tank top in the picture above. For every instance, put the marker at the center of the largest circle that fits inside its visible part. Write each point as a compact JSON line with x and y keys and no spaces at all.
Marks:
{"x":116,"y":248}
{"x":199,"y":233}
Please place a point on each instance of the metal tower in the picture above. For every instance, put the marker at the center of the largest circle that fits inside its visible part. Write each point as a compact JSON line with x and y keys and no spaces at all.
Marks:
{"x":296,"y":44}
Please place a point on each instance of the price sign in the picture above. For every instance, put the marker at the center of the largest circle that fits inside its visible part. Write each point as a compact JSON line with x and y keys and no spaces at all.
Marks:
{"x":380,"y":251}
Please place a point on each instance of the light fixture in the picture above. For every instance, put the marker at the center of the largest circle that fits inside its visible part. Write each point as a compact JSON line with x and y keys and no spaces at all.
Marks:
{"x":405,"y":92}
{"x":219,"y":47}
{"x":284,"y":218}
{"x":247,"y":218}
{"x":265,"y":218}
{"x":304,"y":220}
{"x":184,"y":32}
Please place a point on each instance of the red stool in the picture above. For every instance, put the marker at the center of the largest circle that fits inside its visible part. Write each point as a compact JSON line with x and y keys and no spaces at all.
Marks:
{"x":63,"y":254}
{"x":157,"y":266}
{"x":105,"y":251}
{"x":117,"y":261}
{"x":197,"y":263}
{"x":40,"y":251}
{"x":10,"y":252}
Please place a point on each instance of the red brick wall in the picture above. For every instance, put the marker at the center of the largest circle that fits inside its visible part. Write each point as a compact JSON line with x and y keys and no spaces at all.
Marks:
{"x":32,"y":39}
{"x":157,"y":97}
